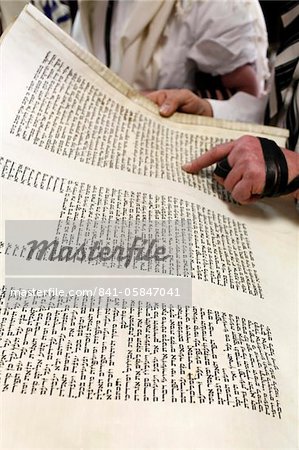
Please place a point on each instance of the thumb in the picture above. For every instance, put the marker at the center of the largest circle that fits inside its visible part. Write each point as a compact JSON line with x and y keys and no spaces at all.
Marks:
{"x":168,"y":107}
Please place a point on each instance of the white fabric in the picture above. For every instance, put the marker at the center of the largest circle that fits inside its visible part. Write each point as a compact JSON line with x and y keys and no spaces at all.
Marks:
{"x":214,"y":37}
{"x":121,"y":16}
{"x":211,"y":36}
{"x":10,"y":10}
{"x":241,"y":107}
{"x":141,"y":38}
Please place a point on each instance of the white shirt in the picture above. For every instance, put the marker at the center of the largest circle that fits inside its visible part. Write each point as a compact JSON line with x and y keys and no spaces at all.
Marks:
{"x":214,"y":37}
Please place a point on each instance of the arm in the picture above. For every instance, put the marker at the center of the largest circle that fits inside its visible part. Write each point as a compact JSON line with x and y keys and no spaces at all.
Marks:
{"x":183,"y":100}
{"x":224,"y":44}
{"x":242,"y":79}
{"x":247,"y":177}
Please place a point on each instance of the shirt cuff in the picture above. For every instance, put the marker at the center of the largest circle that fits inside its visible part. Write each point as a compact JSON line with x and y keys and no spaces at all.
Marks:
{"x":241,"y":107}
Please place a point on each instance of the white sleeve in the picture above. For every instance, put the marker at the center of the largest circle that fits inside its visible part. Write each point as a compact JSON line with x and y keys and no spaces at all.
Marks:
{"x":242,"y":107}
{"x":224,"y":36}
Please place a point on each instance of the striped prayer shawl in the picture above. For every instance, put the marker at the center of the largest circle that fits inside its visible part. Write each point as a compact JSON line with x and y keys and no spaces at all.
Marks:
{"x":284,"y":98}
{"x":57,"y":10}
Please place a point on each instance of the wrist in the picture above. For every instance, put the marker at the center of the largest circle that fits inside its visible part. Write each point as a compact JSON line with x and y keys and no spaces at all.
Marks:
{"x":292,"y":159}
{"x":204,"y":108}
{"x":282,"y":170}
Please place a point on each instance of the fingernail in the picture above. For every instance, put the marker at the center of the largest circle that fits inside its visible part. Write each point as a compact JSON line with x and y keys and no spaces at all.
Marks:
{"x":164,"y":108}
{"x":187,"y":166}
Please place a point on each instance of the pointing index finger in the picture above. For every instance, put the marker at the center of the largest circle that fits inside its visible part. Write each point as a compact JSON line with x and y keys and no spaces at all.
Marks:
{"x":210,"y":157}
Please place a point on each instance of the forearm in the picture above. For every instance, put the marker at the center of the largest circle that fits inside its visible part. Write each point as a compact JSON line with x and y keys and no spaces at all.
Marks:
{"x":242,"y":79}
{"x":292,"y":159}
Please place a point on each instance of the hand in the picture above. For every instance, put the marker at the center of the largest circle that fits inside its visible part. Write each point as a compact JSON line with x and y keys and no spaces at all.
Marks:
{"x":246,"y":180}
{"x":183,"y":100}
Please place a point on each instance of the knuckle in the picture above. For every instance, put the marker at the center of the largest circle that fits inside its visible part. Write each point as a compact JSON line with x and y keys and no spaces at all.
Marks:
{"x":241,"y":197}
{"x":184,"y":92}
{"x":247,"y":143}
{"x":228,"y":185}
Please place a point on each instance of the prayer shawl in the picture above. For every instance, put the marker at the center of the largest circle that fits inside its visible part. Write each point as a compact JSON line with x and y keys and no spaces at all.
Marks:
{"x":139,"y":41}
{"x":56,"y":10}
{"x":284,"y":97}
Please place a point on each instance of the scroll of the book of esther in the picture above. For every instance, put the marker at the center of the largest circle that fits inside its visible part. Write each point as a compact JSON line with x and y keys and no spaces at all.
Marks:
{"x":195,"y":348}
